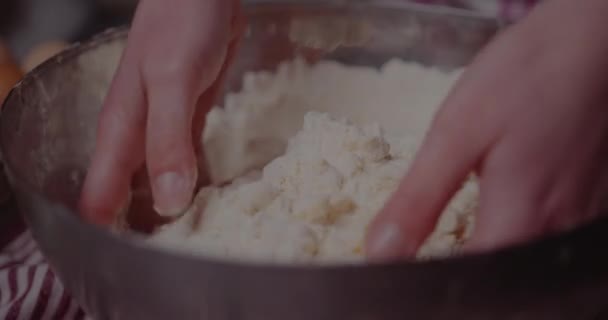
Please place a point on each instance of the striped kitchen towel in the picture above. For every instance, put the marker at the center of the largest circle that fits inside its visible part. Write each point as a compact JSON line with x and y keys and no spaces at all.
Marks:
{"x":28,"y":288}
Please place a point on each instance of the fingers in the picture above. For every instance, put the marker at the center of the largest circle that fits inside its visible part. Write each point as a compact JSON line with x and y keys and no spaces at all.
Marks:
{"x":205,"y":103}
{"x":462,"y":131}
{"x":172,"y":57}
{"x":530,"y":185}
{"x":169,"y":146}
{"x":539,"y":187}
{"x":521,"y":197}
{"x":506,"y":216}
{"x":176,"y":76}
{"x":119,"y":148}
{"x":209,"y":97}
{"x":446,"y":158}
{"x":455,"y":143}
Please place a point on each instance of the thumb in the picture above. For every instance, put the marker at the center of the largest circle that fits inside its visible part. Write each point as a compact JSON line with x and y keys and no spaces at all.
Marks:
{"x":449,"y":153}
{"x":506,"y":216}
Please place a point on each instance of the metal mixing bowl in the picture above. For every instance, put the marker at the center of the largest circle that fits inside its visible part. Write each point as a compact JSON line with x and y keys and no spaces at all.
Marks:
{"x":47,"y":135}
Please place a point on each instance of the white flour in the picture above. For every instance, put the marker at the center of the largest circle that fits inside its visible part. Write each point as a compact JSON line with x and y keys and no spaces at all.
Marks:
{"x":333,"y":142}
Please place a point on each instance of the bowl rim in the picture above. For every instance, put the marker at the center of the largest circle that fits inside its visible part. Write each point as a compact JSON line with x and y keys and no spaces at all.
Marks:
{"x":135,"y":242}
{"x":109,"y":34}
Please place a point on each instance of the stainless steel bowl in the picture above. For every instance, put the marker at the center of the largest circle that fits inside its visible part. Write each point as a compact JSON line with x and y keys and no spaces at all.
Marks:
{"x":47,"y":134}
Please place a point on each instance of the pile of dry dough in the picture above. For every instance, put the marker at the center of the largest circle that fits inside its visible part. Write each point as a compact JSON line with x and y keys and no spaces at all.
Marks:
{"x":331,"y":153}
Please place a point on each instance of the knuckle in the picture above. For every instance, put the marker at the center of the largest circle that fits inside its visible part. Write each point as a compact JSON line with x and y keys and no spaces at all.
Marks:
{"x":120,"y":118}
{"x":169,"y":156}
{"x":169,"y":71}
{"x":165,"y":148}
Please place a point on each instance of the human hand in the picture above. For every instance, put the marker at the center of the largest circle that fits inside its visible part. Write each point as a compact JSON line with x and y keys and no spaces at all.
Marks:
{"x":530,"y":117}
{"x":154,"y":113}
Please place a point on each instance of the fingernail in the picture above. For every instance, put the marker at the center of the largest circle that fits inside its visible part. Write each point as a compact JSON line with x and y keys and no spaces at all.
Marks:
{"x":386,"y":243}
{"x":173,"y":192}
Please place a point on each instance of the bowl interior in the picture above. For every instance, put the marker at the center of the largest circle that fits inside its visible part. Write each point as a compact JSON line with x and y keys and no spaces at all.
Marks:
{"x":49,"y":137}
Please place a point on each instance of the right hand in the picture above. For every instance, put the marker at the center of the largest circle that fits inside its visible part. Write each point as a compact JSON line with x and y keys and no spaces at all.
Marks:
{"x":154,"y":112}
{"x":529,"y":118}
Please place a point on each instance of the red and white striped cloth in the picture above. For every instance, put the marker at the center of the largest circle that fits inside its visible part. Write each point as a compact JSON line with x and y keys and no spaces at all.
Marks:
{"x":28,"y":288}
{"x":30,"y":291}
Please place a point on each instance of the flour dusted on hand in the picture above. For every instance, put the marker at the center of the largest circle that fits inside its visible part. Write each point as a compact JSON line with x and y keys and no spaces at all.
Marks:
{"x":313,"y":153}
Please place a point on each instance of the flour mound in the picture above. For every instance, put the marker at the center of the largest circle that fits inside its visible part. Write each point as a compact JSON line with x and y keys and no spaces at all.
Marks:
{"x":314,"y":202}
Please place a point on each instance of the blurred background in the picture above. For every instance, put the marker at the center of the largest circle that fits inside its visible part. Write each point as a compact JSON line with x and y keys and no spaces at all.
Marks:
{"x":25,"y":24}
{"x":33,"y":30}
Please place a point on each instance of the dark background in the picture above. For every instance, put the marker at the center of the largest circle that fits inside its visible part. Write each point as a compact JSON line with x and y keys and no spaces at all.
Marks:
{"x":26,"y":23}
